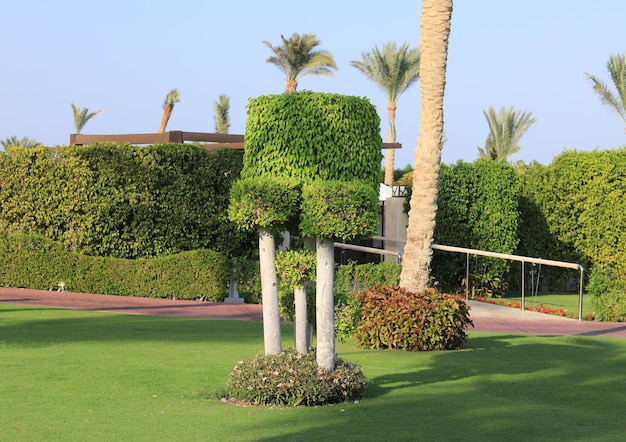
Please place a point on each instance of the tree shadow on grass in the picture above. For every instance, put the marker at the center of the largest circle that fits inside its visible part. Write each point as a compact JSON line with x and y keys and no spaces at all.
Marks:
{"x":41,"y":326}
{"x":501,"y":387}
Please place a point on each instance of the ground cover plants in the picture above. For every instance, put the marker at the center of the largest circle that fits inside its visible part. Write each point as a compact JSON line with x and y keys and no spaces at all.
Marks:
{"x":83,"y":376}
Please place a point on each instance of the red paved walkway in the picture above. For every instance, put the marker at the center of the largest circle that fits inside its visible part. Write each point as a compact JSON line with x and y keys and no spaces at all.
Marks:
{"x":486,"y":317}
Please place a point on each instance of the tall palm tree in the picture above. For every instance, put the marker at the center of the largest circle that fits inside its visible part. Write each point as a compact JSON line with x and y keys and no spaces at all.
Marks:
{"x":81,"y":116}
{"x":393,"y":70}
{"x":222,"y":120}
{"x":506,"y":127}
{"x":297,"y":57}
{"x":435,"y":31}
{"x":171,"y":98}
{"x":17,"y":142}
{"x":614,"y":99}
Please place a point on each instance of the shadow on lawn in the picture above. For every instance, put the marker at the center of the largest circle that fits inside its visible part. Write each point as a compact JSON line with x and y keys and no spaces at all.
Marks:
{"x":42,"y":326}
{"x":501,"y":387}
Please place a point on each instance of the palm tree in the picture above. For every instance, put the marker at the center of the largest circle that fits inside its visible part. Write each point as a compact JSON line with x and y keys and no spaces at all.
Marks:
{"x":506,"y":127}
{"x":393,"y":70}
{"x":81,"y":116}
{"x":24,"y":142}
{"x":297,"y":57}
{"x":221,"y":108}
{"x":171,"y":98}
{"x":615,"y":99}
{"x":435,"y":31}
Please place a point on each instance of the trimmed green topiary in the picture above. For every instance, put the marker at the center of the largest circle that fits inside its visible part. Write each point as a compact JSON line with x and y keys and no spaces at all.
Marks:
{"x":342,"y":210}
{"x":310,"y":135}
{"x":394,"y":318}
{"x":264,"y":202}
{"x":292,"y":379}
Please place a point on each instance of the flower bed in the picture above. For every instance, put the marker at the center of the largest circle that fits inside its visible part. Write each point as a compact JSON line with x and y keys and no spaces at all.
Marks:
{"x":537,"y":308}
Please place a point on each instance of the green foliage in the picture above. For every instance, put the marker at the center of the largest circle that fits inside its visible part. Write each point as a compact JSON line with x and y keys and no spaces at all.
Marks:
{"x":343,"y":210}
{"x":478,"y":209}
{"x":351,"y":279}
{"x":249,"y":280}
{"x":607,"y":286}
{"x":293,"y":379}
{"x":264,"y":203}
{"x":394,"y":318}
{"x":121,"y":200}
{"x":295,"y":267}
{"x":36,"y":262}
{"x":310,"y":136}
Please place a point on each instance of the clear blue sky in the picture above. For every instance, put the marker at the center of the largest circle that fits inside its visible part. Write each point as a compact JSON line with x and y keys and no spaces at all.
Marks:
{"x":124,"y":56}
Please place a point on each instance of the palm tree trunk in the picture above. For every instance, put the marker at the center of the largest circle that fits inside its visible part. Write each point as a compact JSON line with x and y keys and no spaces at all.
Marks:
{"x":167,"y":113}
{"x":269,"y":293}
{"x":390,"y":154}
{"x":324,"y":304}
{"x":435,"y":31}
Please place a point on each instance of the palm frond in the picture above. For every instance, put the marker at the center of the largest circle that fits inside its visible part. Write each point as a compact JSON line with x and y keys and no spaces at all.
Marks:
{"x":298,"y":57}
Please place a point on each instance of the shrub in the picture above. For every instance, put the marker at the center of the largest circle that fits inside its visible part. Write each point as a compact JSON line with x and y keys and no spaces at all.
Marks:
{"x":607,"y":286}
{"x":36,"y":262}
{"x":123,"y":201}
{"x":394,"y":318}
{"x":293,"y":379}
{"x":351,"y":279}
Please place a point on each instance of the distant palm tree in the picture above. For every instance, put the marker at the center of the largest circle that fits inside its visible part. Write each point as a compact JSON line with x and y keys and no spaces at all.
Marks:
{"x":614,"y":99}
{"x":171,"y":98}
{"x":297,"y":57}
{"x":24,"y":142}
{"x":506,"y":127}
{"x":222,"y":120}
{"x":393,"y":70}
{"x":81,"y":116}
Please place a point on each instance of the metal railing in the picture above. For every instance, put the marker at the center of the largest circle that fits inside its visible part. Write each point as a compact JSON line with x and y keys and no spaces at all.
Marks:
{"x":468,"y":252}
{"x":523,"y":260}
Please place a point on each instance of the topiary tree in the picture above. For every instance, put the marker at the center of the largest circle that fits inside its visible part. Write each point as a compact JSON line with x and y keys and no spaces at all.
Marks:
{"x":316,"y":138}
{"x":334,"y":210}
{"x":266,"y":204}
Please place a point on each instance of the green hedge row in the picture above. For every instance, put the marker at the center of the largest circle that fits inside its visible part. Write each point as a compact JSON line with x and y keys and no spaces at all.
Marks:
{"x":478,"y":209}
{"x":124,"y":201}
{"x":36,"y":262}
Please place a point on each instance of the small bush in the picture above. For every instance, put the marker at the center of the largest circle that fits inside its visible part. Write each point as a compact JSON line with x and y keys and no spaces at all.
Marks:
{"x":394,"y":318}
{"x":607,"y":287}
{"x":351,"y":279}
{"x":293,"y":379}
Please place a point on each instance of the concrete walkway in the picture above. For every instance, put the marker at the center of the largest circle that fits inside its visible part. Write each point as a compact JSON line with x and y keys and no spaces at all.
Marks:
{"x":486,"y":317}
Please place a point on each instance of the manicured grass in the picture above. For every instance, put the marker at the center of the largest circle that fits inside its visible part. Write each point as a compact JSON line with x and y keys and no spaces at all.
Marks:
{"x":565,"y":301}
{"x":85,"y":376}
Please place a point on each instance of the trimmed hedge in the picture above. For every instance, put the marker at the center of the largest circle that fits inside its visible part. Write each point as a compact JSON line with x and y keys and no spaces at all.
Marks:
{"x":121,"y":200}
{"x":478,"y":209}
{"x":394,"y":318}
{"x":36,"y":262}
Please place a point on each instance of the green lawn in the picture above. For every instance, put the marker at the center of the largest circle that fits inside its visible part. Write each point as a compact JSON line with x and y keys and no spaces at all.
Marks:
{"x":85,"y":376}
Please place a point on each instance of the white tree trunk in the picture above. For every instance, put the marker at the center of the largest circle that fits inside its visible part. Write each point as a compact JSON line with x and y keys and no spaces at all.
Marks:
{"x":325,"y":308}
{"x":269,"y":292}
{"x":301,"y":324}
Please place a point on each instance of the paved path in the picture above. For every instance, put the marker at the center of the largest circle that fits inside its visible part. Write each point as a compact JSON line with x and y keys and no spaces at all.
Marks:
{"x":486,"y":317}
